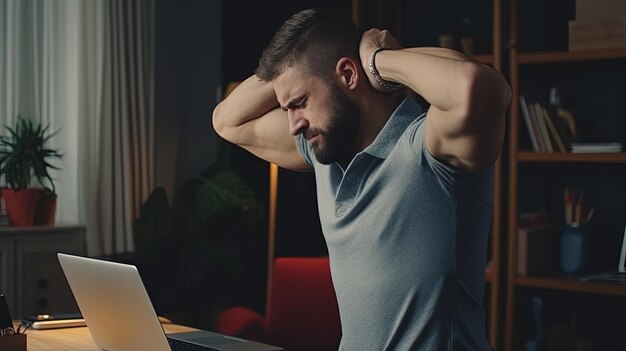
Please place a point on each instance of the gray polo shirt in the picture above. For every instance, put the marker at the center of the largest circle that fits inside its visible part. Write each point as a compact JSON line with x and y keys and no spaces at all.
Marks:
{"x":407,"y":239}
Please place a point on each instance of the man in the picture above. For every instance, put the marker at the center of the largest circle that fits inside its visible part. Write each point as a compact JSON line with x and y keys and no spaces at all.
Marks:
{"x":404,"y":194}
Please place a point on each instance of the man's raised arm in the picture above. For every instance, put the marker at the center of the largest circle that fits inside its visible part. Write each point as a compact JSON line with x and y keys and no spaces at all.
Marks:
{"x":251,"y":118}
{"x":468,"y":100}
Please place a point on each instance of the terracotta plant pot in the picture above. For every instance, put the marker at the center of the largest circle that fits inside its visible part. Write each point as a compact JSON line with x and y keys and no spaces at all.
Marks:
{"x":21,"y":205}
{"x":46,"y":209}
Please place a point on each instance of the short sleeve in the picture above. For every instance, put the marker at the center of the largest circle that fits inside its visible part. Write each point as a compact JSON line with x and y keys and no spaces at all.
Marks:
{"x":447,"y":174}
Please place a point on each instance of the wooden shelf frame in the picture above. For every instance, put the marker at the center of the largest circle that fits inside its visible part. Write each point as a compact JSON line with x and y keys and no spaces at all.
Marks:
{"x":572,"y":285}
{"x":486,"y":58}
{"x":562,"y":157}
{"x":570,"y":56}
{"x":494,"y":274}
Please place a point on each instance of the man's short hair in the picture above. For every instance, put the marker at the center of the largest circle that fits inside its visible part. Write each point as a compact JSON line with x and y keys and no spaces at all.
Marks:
{"x":314,"y":40}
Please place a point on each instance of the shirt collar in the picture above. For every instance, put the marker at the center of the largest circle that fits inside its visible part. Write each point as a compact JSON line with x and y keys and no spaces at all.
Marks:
{"x":385,"y":141}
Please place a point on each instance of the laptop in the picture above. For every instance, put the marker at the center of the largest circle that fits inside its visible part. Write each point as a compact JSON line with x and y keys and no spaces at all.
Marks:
{"x":618,"y":276}
{"x":119,"y":314}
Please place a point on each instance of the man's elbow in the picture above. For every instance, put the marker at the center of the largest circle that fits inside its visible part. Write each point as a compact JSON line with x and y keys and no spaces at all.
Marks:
{"x":490,"y":94}
{"x":503,"y":93}
{"x":498,"y":91}
{"x":217,"y":120}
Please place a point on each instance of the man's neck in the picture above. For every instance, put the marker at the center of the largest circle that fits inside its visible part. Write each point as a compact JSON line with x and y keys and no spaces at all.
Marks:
{"x":376,"y":109}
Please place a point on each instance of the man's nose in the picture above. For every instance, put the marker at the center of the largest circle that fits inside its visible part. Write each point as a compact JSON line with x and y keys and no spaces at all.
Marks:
{"x":297,"y":122}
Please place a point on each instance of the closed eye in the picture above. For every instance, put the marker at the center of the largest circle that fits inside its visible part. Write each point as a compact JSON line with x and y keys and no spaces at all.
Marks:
{"x":296,"y":103}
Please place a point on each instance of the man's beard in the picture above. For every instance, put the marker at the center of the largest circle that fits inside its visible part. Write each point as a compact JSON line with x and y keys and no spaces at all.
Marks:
{"x":336,"y":142}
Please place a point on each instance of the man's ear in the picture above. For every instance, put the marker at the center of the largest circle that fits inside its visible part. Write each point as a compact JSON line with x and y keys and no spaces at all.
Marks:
{"x":348,"y":72}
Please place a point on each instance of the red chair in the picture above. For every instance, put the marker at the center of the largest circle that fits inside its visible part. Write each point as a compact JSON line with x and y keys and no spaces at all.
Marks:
{"x":302,"y":313}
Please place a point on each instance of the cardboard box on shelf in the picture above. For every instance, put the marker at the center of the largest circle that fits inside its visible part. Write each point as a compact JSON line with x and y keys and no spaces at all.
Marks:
{"x":589,"y":10}
{"x":537,"y":251}
{"x":607,"y":33}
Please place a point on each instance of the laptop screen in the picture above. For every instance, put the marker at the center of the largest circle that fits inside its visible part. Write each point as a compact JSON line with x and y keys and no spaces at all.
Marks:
{"x":622,"y":256}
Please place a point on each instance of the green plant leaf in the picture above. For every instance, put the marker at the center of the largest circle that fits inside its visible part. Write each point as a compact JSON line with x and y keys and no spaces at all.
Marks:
{"x":220,"y":192}
{"x":24,"y":155}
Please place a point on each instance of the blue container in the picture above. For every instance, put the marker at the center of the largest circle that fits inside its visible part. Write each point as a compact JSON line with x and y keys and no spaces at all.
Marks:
{"x":573,"y":248}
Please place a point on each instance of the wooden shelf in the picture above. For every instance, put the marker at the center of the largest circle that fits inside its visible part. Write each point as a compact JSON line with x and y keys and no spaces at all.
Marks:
{"x":561,"y":157}
{"x":485,"y":58}
{"x":572,"y":285}
{"x":569,"y":56}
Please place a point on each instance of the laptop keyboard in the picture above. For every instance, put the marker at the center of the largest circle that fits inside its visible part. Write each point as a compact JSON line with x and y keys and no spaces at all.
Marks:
{"x":178,"y":345}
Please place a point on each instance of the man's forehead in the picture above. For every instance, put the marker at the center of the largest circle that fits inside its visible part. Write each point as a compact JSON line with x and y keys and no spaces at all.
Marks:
{"x":292,"y":84}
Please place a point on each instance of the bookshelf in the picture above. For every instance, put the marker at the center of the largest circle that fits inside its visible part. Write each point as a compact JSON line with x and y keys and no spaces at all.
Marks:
{"x":533,"y":180}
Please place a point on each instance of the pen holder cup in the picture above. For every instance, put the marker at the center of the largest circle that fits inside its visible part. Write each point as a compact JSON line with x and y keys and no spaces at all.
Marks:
{"x":573,"y":248}
{"x":15,"y":342}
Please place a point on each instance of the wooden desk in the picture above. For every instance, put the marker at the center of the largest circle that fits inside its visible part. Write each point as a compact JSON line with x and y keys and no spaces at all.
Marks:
{"x":74,"y":339}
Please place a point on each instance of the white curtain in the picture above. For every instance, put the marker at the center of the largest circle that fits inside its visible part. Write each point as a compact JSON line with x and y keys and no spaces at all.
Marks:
{"x":85,"y":68}
{"x":127,"y":152}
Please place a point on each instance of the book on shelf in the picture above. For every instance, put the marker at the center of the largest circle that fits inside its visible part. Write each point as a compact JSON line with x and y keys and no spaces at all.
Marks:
{"x":564,"y":125}
{"x":531,"y":125}
{"x":537,"y":250}
{"x":609,"y":147}
{"x":549,"y":129}
{"x":531,"y":219}
{"x":555,"y":137}
{"x":537,"y":114}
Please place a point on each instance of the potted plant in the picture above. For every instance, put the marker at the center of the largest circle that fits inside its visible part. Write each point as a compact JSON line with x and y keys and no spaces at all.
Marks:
{"x":24,"y":158}
{"x":207,"y":237}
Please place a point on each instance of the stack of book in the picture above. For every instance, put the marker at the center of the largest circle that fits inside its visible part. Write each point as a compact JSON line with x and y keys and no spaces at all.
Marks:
{"x":551,"y":129}
{"x":599,"y":24}
{"x":596,"y":147}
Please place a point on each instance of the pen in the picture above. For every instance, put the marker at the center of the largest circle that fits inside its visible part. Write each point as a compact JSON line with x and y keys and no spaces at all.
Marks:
{"x":578,"y":209}
{"x":568,"y":205}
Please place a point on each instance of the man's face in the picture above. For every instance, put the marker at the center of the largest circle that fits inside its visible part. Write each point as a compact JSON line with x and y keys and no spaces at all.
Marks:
{"x":323,"y":113}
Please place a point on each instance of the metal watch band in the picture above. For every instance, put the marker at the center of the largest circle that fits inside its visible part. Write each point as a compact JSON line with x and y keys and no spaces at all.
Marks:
{"x":383,"y":83}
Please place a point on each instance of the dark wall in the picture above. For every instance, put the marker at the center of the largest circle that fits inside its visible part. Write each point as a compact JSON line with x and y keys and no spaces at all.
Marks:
{"x":248,"y":26}
{"x":419,"y":23}
{"x":187,"y":65}
{"x":187,"y":84}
